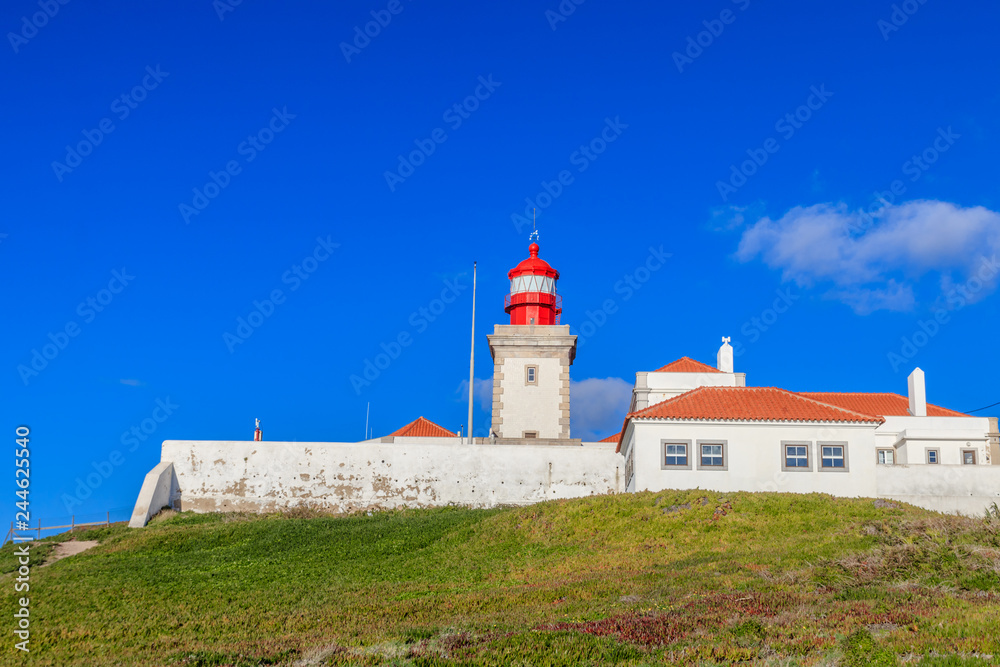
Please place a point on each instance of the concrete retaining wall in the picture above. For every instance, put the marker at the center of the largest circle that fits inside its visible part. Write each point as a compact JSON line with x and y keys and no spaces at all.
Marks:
{"x":158,"y":490}
{"x":943,"y":488}
{"x":344,"y":477}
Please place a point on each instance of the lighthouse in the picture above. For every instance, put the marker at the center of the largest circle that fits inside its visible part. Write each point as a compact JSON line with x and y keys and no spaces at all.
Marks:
{"x":532,"y":356}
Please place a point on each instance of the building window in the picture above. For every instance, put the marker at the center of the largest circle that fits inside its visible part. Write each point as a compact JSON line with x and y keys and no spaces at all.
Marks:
{"x":969,"y":457}
{"x":833,"y":456}
{"x":531,"y":375}
{"x":886,"y":457}
{"x":712,"y":455}
{"x":675,"y":454}
{"x":795,"y":456}
{"x":933,"y":456}
{"x":531,"y":434}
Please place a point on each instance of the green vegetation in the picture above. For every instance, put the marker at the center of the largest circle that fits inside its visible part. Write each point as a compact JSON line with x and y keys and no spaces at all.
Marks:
{"x":670,"y":578}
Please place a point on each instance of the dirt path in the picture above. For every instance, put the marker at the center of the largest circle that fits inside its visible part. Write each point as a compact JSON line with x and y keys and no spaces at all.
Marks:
{"x":66,"y":549}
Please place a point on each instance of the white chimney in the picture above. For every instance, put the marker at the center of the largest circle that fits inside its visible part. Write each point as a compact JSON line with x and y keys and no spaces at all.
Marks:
{"x":918,"y":393}
{"x":724,"y":360}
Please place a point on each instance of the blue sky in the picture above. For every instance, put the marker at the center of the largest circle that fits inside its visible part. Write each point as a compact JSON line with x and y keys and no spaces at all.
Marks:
{"x":269,"y":150}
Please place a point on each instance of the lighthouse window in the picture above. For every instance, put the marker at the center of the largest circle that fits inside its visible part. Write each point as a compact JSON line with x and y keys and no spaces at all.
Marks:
{"x":532,"y":284}
{"x":531,"y":375}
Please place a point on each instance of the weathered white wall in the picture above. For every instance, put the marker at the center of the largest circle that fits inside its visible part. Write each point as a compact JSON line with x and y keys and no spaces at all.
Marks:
{"x":263,"y":476}
{"x":158,"y":490}
{"x":943,"y":488}
{"x":755,"y":457}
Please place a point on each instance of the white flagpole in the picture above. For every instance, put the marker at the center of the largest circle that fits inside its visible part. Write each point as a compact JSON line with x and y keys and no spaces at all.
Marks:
{"x":472,"y":354}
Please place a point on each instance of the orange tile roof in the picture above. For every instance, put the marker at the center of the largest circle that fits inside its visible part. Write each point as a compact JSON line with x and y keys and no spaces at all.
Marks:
{"x":423,"y":428}
{"x":612,"y":438}
{"x":748,"y":404}
{"x":687,"y":365}
{"x":879,"y":404}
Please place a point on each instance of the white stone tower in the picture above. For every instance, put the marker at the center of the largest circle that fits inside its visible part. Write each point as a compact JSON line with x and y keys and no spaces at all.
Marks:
{"x":532,"y":356}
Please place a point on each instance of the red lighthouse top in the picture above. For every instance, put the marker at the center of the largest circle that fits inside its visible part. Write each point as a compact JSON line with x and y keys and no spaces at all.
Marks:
{"x":533,"y":298}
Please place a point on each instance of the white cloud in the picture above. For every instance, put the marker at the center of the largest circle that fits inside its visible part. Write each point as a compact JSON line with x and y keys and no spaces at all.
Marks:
{"x":482,"y":393}
{"x":873,"y":263}
{"x":598,"y":407}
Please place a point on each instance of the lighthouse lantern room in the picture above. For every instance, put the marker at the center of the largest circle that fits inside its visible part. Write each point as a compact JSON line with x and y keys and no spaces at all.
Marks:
{"x":533,"y":298}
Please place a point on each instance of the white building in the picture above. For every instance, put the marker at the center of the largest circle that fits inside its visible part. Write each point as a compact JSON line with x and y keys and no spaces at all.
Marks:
{"x":690,"y":426}
{"x":694,"y":426}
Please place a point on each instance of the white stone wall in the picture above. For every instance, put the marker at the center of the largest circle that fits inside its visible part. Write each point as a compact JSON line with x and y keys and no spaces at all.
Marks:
{"x":344,"y":477}
{"x":943,"y":488}
{"x":531,"y":407}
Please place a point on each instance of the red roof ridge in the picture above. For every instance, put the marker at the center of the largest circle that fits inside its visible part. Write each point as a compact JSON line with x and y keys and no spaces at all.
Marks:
{"x":713,"y":411}
{"x":941,"y":411}
{"x":687,"y":365}
{"x":422,"y":428}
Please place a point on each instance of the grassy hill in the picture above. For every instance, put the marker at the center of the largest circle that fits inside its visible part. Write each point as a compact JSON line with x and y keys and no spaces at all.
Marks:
{"x":654,"y":578}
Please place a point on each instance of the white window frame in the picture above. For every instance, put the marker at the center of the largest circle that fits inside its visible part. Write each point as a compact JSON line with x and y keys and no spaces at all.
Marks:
{"x":724,"y":444}
{"x":663,"y":454}
{"x":785,"y":444}
{"x":819,"y":456}
{"x":937,"y":456}
{"x":882,"y":450}
{"x":528,"y":375}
